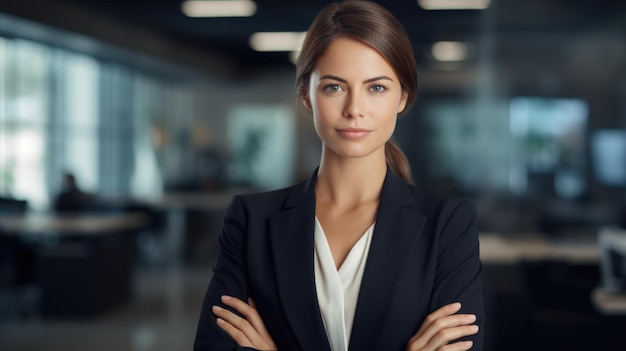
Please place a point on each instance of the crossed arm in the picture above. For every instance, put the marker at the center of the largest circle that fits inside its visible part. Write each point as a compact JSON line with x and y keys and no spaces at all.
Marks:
{"x":435,"y":334}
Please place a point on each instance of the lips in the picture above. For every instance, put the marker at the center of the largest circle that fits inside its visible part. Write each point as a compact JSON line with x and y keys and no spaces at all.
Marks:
{"x":354,"y":133}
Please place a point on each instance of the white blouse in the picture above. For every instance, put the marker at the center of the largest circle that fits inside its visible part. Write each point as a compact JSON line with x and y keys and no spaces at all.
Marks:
{"x":338,"y":289}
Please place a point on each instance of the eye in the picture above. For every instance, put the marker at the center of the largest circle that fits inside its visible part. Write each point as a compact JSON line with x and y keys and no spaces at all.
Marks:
{"x":332,"y":88}
{"x":377,"y":88}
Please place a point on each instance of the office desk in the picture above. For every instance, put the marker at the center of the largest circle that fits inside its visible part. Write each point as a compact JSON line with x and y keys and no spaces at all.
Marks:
{"x":84,"y":263}
{"x":609,"y":303}
{"x":49,"y":225}
{"x":194,"y":200}
{"x":499,"y":249}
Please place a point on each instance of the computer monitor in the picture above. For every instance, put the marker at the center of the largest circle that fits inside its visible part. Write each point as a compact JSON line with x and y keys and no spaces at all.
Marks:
{"x":608,"y":156}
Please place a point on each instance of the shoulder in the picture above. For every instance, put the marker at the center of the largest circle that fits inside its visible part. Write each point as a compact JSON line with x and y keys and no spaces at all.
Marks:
{"x":263,"y":202}
{"x":441,"y":207}
{"x":266,"y":197}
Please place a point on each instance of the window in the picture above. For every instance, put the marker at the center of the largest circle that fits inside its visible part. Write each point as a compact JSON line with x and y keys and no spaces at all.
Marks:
{"x":24,"y":113}
{"x":65,"y":111}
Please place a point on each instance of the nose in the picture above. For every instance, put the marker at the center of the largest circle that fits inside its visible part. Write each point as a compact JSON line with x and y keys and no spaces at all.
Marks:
{"x":355,"y":105}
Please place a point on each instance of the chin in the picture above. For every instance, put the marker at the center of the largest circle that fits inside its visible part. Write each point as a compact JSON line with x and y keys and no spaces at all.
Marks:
{"x":353,"y":152}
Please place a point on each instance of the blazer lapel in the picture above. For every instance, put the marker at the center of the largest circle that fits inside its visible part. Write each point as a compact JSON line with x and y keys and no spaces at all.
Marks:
{"x":292,"y":240}
{"x":397,"y":230}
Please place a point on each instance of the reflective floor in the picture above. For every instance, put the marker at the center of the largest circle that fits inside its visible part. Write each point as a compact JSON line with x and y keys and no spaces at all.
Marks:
{"x":161,"y":316}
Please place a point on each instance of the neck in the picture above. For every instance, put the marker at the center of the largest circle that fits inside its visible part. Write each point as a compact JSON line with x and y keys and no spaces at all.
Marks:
{"x":350,"y":181}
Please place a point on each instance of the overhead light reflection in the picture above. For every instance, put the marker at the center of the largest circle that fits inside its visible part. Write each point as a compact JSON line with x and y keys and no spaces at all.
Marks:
{"x":277,"y":41}
{"x":449,"y":51}
{"x":454,"y":4}
{"x":218,"y":8}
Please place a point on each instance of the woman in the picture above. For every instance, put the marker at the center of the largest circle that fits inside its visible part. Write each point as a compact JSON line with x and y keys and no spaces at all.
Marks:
{"x":356,"y":257}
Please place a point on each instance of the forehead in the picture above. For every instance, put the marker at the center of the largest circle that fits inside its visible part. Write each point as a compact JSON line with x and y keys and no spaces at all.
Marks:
{"x":348,"y":58}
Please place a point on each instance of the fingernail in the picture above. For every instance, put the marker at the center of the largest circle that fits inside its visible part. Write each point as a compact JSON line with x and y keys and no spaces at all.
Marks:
{"x":474,"y":328}
{"x":471,"y":317}
{"x":468,"y":344}
{"x":217,"y":308}
{"x":457,"y":305}
{"x":225,"y":297}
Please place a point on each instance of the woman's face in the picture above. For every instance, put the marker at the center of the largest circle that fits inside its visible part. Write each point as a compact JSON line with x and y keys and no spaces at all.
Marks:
{"x":355,"y":97}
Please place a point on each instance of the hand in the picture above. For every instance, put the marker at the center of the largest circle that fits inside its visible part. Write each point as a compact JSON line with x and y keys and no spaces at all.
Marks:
{"x":441,"y":327}
{"x":247,"y":332}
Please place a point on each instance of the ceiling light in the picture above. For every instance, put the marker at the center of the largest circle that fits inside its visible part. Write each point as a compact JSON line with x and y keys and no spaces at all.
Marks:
{"x":449,"y":51}
{"x":216,"y":8}
{"x":454,"y":4}
{"x":277,"y":41}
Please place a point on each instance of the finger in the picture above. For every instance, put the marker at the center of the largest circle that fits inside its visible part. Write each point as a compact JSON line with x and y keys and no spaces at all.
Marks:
{"x":423,"y":337}
{"x":258,"y":323}
{"x":250,"y":313}
{"x":253,"y":327}
{"x":237,"y":335}
{"x":446,"y":323}
{"x":440,"y":340}
{"x":457,"y":346}
{"x":236,"y":321}
{"x":235,"y":303}
{"x":243,"y":308}
{"x":230,"y":317}
{"x":443,"y":311}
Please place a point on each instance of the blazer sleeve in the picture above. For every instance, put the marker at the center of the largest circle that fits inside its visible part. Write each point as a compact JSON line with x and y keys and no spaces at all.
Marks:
{"x":458,"y":276}
{"x":230,"y":277}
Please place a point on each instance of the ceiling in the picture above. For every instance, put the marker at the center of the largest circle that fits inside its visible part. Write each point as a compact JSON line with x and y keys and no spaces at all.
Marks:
{"x":230,"y":35}
{"x":518,"y":25}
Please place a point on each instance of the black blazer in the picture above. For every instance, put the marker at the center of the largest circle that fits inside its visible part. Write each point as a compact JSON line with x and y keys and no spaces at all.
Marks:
{"x":424,"y":254}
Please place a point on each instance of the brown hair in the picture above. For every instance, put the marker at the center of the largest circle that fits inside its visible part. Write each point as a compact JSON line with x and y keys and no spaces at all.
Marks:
{"x":375,"y":26}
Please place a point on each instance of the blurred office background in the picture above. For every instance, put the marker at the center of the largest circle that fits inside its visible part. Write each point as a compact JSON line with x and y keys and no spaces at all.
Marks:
{"x":161,"y":116}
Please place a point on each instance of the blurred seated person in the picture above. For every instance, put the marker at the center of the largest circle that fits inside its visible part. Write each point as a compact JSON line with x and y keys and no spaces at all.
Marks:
{"x":71,"y":199}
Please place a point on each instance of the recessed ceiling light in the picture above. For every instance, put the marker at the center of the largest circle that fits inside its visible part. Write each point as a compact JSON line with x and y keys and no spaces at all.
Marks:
{"x":277,"y":41}
{"x":449,"y":51}
{"x":454,"y":4}
{"x":218,"y":8}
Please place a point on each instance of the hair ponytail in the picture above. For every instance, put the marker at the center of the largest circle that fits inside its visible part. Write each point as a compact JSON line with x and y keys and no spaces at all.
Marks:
{"x":397,"y":161}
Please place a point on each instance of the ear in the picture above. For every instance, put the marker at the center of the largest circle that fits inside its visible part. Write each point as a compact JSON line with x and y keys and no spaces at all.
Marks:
{"x":403,"y":99}
{"x":306,"y":102}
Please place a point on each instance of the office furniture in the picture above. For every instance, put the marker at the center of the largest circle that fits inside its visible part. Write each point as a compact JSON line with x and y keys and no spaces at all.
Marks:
{"x":84,"y":263}
{"x":609,"y":303}
{"x":501,"y":249}
{"x":539,"y":285}
{"x":19,"y":295}
{"x":612,"y":241}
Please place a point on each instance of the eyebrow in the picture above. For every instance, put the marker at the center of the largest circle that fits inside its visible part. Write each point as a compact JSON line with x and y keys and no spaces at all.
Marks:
{"x":330,"y":76}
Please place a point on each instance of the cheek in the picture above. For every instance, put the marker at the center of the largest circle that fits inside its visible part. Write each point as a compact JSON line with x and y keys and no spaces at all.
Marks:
{"x":323,"y":111}
{"x":318,"y":121}
{"x":387,"y":114}
{"x":387,"y":123}
{"x":390,"y":125}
